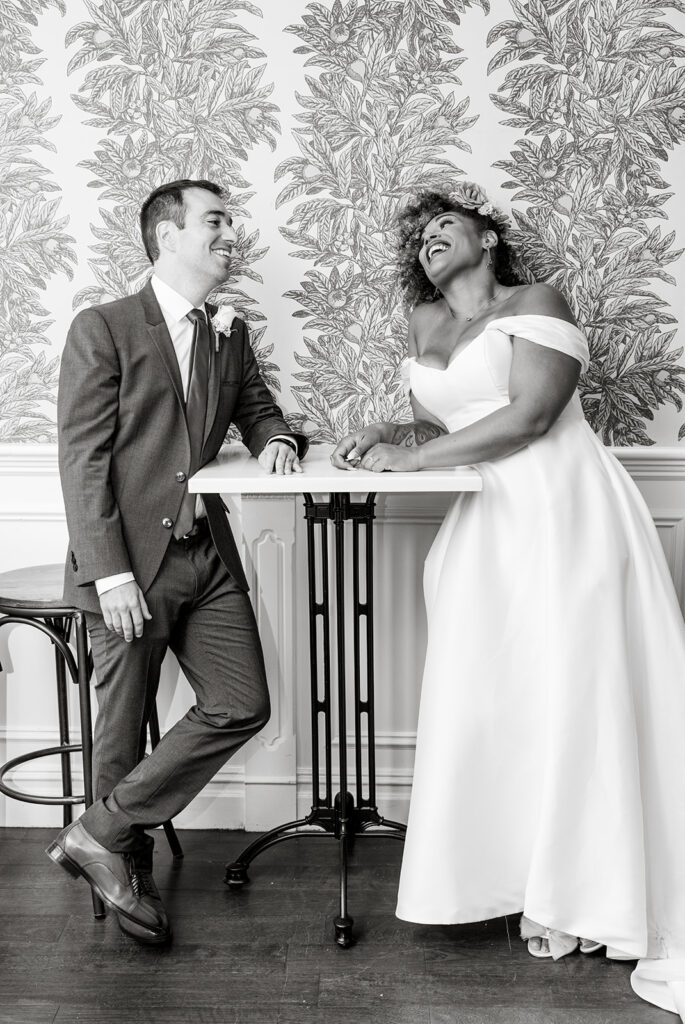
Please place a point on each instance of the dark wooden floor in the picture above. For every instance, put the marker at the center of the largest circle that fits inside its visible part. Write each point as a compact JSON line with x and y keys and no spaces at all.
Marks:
{"x":265,"y":955}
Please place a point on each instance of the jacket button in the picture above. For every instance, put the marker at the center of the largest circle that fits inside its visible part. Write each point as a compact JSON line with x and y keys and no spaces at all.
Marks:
{"x":180,"y":476}
{"x":167,"y":523}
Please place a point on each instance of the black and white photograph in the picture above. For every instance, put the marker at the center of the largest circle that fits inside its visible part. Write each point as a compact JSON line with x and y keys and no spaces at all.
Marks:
{"x":342,"y":512}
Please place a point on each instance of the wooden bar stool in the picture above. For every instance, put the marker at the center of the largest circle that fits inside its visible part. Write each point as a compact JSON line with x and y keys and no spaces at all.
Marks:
{"x":33,"y":597}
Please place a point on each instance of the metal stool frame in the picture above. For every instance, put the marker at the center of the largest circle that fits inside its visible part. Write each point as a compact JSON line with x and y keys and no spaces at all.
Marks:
{"x":56,"y":623}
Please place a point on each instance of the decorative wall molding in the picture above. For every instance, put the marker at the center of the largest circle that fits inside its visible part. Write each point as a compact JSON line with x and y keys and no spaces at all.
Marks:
{"x":265,"y":534}
{"x":386,"y":777}
{"x":668,"y":517}
{"x":25,"y":740}
{"x":28,"y":460}
{"x":384,"y":740}
{"x":31,"y":737}
{"x":27,"y":516}
{"x":659,"y":462}
{"x":269,"y":562}
{"x":271,"y":780}
{"x":223,"y":779}
{"x":647,"y":462}
{"x":401,"y":509}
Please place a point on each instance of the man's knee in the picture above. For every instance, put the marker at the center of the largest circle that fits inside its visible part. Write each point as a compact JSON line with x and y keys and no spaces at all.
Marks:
{"x":252,"y":711}
{"x":258,"y":712}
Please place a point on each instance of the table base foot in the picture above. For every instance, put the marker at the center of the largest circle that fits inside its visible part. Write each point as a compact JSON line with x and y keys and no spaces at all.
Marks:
{"x":236,"y":873}
{"x":344,"y":822}
{"x":343,"y":932}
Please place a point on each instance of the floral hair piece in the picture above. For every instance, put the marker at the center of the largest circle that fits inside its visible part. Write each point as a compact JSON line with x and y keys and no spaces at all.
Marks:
{"x":472,"y":197}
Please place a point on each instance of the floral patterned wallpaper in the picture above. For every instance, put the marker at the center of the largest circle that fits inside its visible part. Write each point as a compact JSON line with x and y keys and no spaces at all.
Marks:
{"x":599,"y":103}
{"x":320,"y":118}
{"x":34,"y":245}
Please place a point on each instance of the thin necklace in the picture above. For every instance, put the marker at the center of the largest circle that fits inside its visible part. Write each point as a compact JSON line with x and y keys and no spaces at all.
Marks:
{"x":466,"y":319}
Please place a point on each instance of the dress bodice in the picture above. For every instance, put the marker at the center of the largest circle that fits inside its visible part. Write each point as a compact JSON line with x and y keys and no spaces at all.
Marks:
{"x":476,"y":380}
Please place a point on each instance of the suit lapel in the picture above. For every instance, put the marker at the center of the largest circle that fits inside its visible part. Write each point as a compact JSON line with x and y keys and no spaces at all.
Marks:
{"x":159,"y":334}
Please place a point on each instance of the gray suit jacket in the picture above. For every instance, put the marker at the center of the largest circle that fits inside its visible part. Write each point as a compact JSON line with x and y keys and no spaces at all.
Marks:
{"x":124,"y":450}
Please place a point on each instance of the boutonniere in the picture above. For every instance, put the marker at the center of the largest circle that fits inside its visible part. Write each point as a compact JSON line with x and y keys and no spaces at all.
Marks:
{"x":221,"y":322}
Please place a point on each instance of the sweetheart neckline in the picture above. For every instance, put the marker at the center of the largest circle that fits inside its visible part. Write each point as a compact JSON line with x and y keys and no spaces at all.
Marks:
{"x":497,"y":319}
{"x":454,"y":356}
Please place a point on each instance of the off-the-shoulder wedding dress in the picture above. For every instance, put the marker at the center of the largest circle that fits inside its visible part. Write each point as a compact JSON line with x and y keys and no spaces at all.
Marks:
{"x":550,"y":761}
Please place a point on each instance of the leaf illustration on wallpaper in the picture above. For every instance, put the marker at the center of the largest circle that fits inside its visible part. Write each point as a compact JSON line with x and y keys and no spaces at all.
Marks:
{"x":598,"y":92}
{"x":178,"y":92}
{"x":33,"y":244}
{"x":376,"y":121}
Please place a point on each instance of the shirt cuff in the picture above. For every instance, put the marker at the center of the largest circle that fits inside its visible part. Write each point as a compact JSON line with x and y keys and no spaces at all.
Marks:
{"x":110,"y":582}
{"x":286,"y":438}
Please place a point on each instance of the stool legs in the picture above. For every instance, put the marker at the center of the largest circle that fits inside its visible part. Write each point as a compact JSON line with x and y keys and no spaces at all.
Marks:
{"x":58,"y":628}
{"x":62,"y":627}
{"x":85,"y":668}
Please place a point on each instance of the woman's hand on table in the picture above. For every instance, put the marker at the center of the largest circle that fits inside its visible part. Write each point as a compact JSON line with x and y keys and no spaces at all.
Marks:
{"x":349,"y":451}
{"x":389,"y":458}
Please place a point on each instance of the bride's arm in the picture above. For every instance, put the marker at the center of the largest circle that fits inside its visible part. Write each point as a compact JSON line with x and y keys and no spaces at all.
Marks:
{"x":424,"y":427}
{"x":541,"y":383}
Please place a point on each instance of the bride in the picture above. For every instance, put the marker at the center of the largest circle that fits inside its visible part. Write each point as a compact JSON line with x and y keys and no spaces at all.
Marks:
{"x":550,"y":759}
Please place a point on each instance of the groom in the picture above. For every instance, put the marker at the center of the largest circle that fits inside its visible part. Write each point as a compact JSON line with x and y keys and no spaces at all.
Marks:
{"x":148,"y":389}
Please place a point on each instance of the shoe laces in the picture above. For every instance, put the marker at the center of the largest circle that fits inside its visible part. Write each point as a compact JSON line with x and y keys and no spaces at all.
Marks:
{"x":142,"y":883}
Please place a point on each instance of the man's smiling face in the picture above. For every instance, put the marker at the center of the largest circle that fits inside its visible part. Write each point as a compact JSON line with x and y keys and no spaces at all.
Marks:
{"x":206,"y":240}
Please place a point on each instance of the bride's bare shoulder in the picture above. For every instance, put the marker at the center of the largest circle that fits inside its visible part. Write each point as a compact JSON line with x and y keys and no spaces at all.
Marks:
{"x":540,"y":300}
{"x":423,"y":318}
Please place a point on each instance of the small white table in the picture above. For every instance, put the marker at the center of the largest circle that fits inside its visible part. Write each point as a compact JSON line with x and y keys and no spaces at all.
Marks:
{"x":234,"y":471}
{"x":344,"y":817}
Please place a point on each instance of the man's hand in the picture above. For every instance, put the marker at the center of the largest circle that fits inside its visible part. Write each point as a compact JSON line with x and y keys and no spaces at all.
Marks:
{"x":124,"y":610}
{"x":279,"y":457}
{"x":349,"y":450}
{"x":391,"y":457}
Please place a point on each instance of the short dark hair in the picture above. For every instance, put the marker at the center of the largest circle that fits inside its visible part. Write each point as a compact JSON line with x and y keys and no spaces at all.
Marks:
{"x":167,"y":203}
{"x":410,"y":224}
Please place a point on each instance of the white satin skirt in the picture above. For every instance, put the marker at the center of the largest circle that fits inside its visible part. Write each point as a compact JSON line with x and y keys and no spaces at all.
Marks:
{"x":550,"y":760}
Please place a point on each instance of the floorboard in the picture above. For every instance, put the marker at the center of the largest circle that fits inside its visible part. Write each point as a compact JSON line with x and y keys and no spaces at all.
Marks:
{"x":265,"y":954}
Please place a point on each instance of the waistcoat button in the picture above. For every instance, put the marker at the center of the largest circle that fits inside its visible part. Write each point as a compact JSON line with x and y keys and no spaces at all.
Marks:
{"x":167,"y":523}
{"x":180,"y":476}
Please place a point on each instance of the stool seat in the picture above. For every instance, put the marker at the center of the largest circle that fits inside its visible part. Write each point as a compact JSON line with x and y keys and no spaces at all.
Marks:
{"x":38,"y":586}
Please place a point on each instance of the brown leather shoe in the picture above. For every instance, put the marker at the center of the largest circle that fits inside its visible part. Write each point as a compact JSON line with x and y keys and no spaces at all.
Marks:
{"x":144,"y":884}
{"x":114,"y":879}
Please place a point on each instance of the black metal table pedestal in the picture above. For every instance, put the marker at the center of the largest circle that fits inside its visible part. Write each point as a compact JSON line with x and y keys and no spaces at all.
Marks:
{"x":342,"y":817}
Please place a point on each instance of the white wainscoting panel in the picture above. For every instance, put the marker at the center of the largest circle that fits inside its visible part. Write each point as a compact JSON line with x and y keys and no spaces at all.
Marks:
{"x":270,"y":780}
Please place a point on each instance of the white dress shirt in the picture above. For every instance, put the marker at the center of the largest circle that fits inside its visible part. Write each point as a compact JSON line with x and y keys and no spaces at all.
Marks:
{"x":175,"y":309}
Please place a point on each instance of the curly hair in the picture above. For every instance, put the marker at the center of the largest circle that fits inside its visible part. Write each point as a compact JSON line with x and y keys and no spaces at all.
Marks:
{"x":410,"y":224}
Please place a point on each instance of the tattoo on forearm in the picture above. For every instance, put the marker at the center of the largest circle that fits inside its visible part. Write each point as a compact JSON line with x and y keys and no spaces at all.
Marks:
{"x":409,"y":434}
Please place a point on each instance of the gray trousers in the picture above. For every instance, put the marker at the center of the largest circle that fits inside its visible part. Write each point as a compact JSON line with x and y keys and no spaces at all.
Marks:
{"x":207,"y":621}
